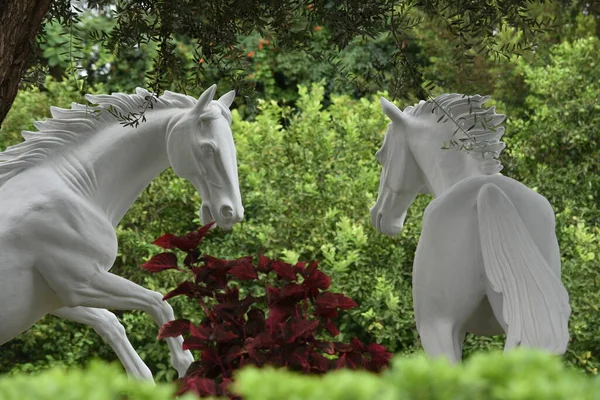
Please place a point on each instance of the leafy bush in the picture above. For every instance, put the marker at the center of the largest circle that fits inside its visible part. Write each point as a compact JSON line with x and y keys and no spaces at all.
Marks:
{"x":555,"y":149}
{"x":99,"y":381}
{"x":236,"y":331}
{"x":519,"y":375}
{"x":34,"y":105}
{"x":556,"y":144}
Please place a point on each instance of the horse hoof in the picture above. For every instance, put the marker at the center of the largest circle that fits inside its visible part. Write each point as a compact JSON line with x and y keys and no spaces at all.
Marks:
{"x":182,"y":362}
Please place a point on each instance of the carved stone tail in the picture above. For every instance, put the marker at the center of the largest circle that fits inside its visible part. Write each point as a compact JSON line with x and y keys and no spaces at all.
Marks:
{"x":535,"y":302}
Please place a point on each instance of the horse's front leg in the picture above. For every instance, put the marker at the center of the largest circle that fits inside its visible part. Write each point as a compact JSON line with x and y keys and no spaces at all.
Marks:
{"x":110,"y":329}
{"x":106,"y":290}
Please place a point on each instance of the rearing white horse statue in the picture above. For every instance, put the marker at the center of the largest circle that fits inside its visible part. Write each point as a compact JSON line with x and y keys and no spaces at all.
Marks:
{"x":64,"y":190}
{"x":487,"y":261}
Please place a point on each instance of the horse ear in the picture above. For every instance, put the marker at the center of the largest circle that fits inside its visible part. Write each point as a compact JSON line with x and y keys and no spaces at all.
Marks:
{"x":205,"y":99}
{"x":392,"y":111}
{"x":227,"y":98}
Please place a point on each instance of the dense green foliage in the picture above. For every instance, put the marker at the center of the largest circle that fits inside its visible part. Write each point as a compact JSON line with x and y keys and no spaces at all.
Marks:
{"x":520,"y":375}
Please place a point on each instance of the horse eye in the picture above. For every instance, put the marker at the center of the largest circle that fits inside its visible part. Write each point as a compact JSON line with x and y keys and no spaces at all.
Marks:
{"x":208,"y":148}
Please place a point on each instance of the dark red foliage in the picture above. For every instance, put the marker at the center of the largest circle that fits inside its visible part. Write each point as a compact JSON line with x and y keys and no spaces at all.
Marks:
{"x":244,"y":272}
{"x":284,"y":271}
{"x":330,"y":327}
{"x":161,"y":262}
{"x":187,"y":243}
{"x":283,"y":327}
{"x":328,"y":303}
{"x":174,"y":328}
{"x":264,"y":264}
{"x":188,"y":289}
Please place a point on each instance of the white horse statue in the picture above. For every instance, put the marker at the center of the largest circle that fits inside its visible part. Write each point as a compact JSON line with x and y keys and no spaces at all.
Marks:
{"x":487,"y":261}
{"x":65,"y":188}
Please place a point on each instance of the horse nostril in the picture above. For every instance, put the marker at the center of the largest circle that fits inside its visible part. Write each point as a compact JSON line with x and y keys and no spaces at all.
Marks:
{"x":227,"y":212}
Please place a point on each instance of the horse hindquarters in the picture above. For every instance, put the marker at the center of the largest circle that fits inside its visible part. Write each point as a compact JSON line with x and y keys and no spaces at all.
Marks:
{"x":535,"y":304}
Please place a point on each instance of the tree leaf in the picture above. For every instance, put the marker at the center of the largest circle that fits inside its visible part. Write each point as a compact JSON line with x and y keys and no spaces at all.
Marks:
{"x":165,"y":241}
{"x":317,"y":280}
{"x":195,"y":343}
{"x":223,"y":333}
{"x":186,"y":243}
{"x":203,"y":386}
{"x":201,"y":331}
{"x":331,"y":327}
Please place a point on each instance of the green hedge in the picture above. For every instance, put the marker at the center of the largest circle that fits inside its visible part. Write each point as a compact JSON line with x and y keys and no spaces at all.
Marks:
{"x":519,"y":375}
{"x":99,"y":381}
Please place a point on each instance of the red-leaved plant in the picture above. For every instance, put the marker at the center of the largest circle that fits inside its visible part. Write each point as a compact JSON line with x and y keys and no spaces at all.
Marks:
{"x":277,"y":328}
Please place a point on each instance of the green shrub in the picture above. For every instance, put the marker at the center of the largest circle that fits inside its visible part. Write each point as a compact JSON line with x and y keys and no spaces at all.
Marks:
{"x":99,"y":381}
{"x":519,"y":375}
{"x":555,"y":149}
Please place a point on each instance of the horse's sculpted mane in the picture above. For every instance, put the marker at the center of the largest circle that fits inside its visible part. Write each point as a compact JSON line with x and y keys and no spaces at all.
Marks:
{"x":68,"y":126}
{"x":478,"y":128}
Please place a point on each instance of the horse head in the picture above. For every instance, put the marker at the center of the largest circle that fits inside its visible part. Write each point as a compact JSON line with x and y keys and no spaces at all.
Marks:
{"x":200,"y":149}
{"x":401,"y":178}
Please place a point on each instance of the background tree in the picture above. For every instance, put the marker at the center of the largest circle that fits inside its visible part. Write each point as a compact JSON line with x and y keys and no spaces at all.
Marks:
{"x":213,"y":29}
{"x":19,"y":24}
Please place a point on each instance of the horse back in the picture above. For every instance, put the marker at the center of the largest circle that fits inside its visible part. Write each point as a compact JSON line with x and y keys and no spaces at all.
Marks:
{"x":464,"y":195}
{"x":533,"y":208}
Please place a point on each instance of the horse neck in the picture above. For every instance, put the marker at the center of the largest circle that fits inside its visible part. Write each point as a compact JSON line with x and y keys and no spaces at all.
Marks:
{"x":442,"y":168}
{"x":118,"y":163}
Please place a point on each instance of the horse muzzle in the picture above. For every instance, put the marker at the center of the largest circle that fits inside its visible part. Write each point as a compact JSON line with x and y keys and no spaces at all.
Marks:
{"x":225,"y":215}
{"x":386,"y":224}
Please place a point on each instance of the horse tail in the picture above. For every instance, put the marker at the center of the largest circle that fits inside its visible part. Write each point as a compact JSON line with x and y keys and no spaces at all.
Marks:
{"x":535,"y":303}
